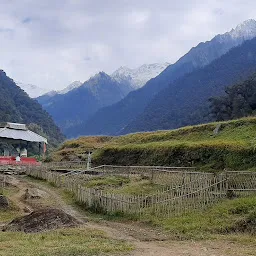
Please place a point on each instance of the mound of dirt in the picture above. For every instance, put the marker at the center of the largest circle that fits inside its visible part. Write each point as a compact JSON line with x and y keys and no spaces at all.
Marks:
{"x":42,"y":220}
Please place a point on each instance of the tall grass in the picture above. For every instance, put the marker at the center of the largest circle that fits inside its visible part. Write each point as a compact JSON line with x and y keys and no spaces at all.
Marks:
{"x":227,"y":217}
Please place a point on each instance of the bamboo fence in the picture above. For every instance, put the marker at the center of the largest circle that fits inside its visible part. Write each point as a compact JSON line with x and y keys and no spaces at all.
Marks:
{"x":186,"y":190}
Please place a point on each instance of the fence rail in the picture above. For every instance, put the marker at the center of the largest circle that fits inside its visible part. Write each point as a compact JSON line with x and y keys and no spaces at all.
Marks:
{"x":66,"y":165}
{"x":186,"y":190}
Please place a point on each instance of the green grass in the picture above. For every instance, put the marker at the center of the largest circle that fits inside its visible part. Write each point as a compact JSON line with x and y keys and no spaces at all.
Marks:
{"x":12,"y":211}
{"x":135,"y":185}
{"x":107,"y":182}
{"x":233,"y":147}
{"x":9,"y":214}
{"x":241,"y":130}
{"x":65,"y":242}
{"x":227,"y":217}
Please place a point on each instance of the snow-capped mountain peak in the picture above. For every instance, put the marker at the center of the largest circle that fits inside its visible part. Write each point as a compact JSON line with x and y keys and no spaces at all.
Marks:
{"x":243,"y":31}
{"x":32,"y":90}
{"x":247,"y":30}
{"x":70,"y":87}
{"x":139,"y":76}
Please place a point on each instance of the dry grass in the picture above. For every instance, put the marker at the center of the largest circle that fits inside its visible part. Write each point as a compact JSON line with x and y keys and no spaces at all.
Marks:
{"x":77,"y":149}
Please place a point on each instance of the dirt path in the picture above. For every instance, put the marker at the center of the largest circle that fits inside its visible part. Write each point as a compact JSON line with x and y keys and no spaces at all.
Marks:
{"x":147,"y":241}
{"x":16,"y":198}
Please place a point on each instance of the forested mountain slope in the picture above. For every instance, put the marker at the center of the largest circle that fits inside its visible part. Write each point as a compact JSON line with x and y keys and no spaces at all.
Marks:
{"x":185,"y":102}
{"x":17,"y":106}
{"x":239,"y":101}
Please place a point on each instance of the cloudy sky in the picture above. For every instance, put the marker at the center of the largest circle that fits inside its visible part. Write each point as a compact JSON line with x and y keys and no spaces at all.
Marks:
{"x":51,"y":43}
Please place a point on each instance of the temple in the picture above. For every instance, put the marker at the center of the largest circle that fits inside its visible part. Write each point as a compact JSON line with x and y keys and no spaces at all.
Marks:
{"x":15,"y":140}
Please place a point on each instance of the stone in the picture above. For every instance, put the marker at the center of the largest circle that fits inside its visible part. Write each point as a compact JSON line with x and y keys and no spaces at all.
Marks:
{"x":217,"y":129}
{"x":4,"y":203}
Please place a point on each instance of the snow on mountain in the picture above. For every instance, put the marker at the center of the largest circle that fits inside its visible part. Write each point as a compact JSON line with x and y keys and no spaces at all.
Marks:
{"x":139,"y":76}
{"x":246,"y":30}
{"x":32,"y":90}
{"x":72,"y":86}
{"x":50,"y":93}
{"x":67,"y":89}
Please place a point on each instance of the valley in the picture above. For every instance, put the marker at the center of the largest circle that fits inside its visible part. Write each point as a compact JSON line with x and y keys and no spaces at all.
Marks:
{"x":105,"y":236}
{"x":149,"y":150}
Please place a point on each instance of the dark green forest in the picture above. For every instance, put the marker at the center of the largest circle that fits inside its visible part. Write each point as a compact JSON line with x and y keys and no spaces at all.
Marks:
{"x":17,"y":106}
{"x":239,"y":101}
{"x":185,"y":101}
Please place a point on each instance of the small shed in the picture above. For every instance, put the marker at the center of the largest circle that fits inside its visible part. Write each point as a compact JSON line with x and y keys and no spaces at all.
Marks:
{"x":17,"y":136}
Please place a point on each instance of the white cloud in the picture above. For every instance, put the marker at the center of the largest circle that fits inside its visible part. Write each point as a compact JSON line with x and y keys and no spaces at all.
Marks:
{"x":51,"y":43}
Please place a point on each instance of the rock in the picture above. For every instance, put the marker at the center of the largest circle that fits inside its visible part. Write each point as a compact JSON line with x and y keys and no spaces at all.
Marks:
{"x":4,"y":203}
{"x":217,"y":129}
{"x":33,"y":193}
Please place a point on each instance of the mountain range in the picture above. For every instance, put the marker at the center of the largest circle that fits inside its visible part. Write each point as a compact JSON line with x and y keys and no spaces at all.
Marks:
{"x":71,"y":108}
{"x":127,"y":115}
{"x":77,"y":102}
{"x":154,"y":96}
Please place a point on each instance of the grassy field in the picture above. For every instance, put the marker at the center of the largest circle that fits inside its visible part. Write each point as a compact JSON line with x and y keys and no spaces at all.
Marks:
{"x":233,"y":147}
{"x":230,"y":217}
{"x":65,"y":242}
{"x":124,"y":185}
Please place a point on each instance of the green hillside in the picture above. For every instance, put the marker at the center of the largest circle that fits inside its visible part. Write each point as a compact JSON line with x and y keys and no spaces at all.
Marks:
{"x":17,"y":106}
{"x":233,"y":146}
{"x":77,"y":149}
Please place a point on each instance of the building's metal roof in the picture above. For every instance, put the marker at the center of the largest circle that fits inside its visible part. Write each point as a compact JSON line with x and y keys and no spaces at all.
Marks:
{"x":21,"y":134}
{"x":15,"y":126}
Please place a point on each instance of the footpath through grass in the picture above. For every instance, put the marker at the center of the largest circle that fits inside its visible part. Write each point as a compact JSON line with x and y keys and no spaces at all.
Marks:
{"x":62,"y":242}
{"x":232,"y":220}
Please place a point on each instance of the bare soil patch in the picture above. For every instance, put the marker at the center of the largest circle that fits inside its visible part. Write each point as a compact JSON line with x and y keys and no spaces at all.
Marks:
{"x":42,"y":220}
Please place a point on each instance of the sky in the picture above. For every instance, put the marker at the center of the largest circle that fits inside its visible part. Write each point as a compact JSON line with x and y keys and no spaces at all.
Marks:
{"x":51,"y":43}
